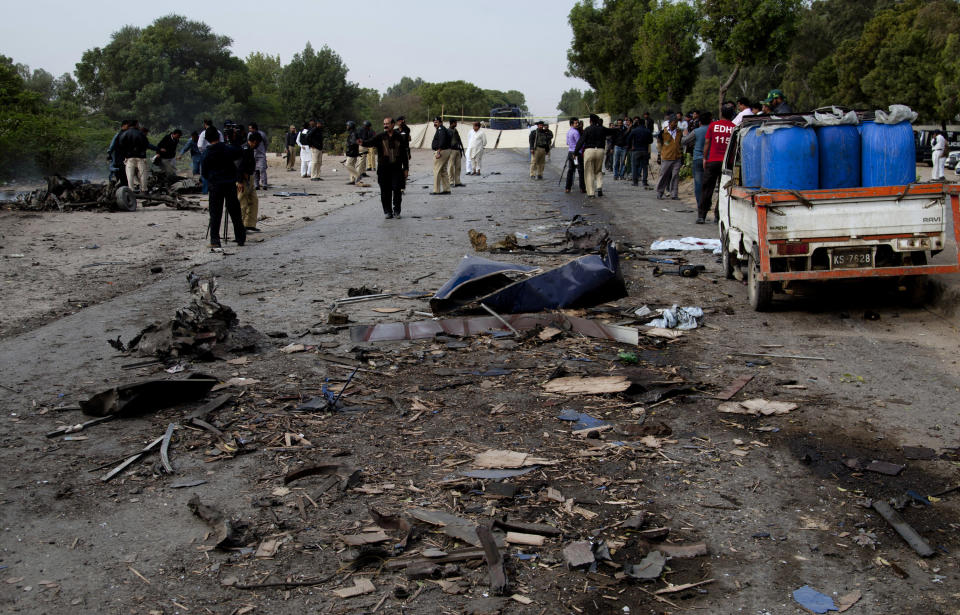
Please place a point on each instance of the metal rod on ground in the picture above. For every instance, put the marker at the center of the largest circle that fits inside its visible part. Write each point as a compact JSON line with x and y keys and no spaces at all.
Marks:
{"x":500,"y":318}
{"x":906,"y":532}
{"x":779,"y":356}
{"x":333,"y":405}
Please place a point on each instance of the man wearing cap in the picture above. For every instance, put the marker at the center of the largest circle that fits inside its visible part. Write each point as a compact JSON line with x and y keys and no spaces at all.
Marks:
{"x":777,"y":102}
{"x":456,"y":155}
{"x":291,"y":147}
{"x":591,"y":146}
{"x":541,"y":140}
{"x":441,"y":149}
{"x":353,"y":153}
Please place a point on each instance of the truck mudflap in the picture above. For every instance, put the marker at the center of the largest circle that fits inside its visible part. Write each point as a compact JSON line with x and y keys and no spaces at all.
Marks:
{"x":851,"y":263}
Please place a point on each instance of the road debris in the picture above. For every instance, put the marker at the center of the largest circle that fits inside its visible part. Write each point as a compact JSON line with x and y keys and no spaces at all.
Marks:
{"x":757,"y":407}
{"x":916,"y":542}
{"x":814,"y":601}
{"x":595,"y":385}
{"x":147,"y":396}
{"x":226,"y":533}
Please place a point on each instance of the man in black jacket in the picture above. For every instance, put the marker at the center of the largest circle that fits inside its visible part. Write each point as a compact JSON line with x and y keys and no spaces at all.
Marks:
{"x":167,"y":151}
{"x":393,"y":153}
{"x":315,"y":141}
{"x":219,"y":168}
{"x":133,"y":147}
{"x":592,"y":145}
{"x":638,"y":144}
{"x":456,"y":155}
{"x":441,"y":148}
{"x":541,"y":140}
{"x":354,"y":160}
{"x":291,"y":147}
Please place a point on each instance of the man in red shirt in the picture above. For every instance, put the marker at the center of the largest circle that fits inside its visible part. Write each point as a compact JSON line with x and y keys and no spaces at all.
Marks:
{"x":714,"y":149}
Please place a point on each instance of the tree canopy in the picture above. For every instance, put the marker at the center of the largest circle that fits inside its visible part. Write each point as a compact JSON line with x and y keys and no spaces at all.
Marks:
{"x":864,"y":54}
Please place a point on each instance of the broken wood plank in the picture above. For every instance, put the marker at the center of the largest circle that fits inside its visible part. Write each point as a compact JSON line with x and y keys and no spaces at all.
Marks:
{"x":518,"y":538}
{"x":498,"y":575}
{"x":454,"y":557}
{"x":453,"y":526}
{"x":527,"y":528}
{"x":130,"y":460}
{"x":916,"y":542}
{"x":360,"y":587}
{"x":735,"y":387}
{"x":573,"y":385}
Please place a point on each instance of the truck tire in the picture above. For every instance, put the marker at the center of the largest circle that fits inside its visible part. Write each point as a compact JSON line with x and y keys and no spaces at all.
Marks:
{"x":760,"y":293}
{"x":726,"y":258}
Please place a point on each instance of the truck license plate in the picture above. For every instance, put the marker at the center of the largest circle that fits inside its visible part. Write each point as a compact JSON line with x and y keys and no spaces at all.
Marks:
{"x":851,"y":259}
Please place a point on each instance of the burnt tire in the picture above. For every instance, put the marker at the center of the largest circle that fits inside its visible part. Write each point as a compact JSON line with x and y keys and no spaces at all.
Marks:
{"x":726,"y":258}
{"x":759,"y":293}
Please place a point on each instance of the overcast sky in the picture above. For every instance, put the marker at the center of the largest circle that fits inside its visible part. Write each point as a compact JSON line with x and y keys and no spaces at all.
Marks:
{"x":495,"y":45}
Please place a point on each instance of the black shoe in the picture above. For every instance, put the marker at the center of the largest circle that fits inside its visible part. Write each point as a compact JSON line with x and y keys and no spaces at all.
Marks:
{"x":445,"y":192}
{"x":659,"y":196}
{"x":252,"y":229}
{"x":675,"y":198}
{"x":396,"y":214}
{"x":539,"y":176}
{"x":387,"y":216}
{"x":701,"y":221}
{"x":459,"y":185}
{"x":364,"y":175}
{"x":599,"y":192}
{"x":240,"y":244}
{"x":351,"y":183}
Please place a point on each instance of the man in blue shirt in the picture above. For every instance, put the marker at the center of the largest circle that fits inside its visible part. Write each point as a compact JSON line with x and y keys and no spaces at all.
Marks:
{"x":697,"y":137}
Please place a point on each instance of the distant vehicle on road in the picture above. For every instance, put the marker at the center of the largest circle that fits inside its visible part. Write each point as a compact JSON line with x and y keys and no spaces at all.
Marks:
{"x":506,"y":118}
{"x":952,"y":160}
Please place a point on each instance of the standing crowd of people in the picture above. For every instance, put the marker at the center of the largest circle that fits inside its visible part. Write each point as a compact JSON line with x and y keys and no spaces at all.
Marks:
{"x":232,"y":162}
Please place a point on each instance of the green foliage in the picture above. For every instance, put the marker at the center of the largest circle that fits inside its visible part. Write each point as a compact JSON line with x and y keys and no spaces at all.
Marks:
{"x":263,"y":106}
{"x":314,"y":85}
{"x":39,"y":137}
{"x":171,"y":73}
{"x":574,"y":103}
{"x":898,"y":59}
{"x":601,"y":52}
{"x":454,"y":98}
{"x":666,"y":52}
{"x":405,"y":86}
{"x":703,"y":96}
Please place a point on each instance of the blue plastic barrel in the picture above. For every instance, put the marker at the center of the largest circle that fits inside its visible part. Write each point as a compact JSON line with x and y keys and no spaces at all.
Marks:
{"x":839,"y":150}
{"x":750,"y":154}
{"x":790,"y":160}
{"x":888,"y":155}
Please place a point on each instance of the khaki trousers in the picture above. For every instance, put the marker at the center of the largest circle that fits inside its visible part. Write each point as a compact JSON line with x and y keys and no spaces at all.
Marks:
{"x":537,"y":162}
{"x":372,"y":159}
{"x":316,"y":159}
{"x":362,"y":159}
{"x":249,"y":203}
{"x":593,"y":169}
{"x":291,"y":156}
{"x":136,"y":169}
{"x":441,"y":179}
{"x":453,"y":166}
{"x":353,"y":167}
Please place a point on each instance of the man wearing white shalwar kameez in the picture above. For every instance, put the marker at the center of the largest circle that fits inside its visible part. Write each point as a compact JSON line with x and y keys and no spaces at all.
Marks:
{"x":475,"y":146}
{"x":939,"y":156}
{"x":305,"y":155}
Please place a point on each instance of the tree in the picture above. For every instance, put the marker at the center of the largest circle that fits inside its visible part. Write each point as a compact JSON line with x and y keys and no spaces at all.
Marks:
{"x":740,"y":31}
{"x":601,"y":52}
{"x":898,"y":59}
{"x":405,"y":86}
{"x":810,"y":75}
{"x":454,"y":98}
{"x":173,"y":72}
{"x":666,"y":52}
{"x":314,"y":85}
{"x":263,"y":106}
{"x":574,"y":103}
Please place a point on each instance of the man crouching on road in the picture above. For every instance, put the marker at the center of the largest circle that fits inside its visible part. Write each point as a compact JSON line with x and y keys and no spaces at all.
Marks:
{"x":393,"y":150}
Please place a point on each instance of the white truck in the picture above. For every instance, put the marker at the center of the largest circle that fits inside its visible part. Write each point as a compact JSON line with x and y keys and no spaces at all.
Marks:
{"x":775,"y":238}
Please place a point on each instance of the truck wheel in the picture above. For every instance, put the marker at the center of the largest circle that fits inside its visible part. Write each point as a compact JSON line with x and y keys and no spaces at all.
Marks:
{"x":726,"y":257}
{"x":759,"y":293}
